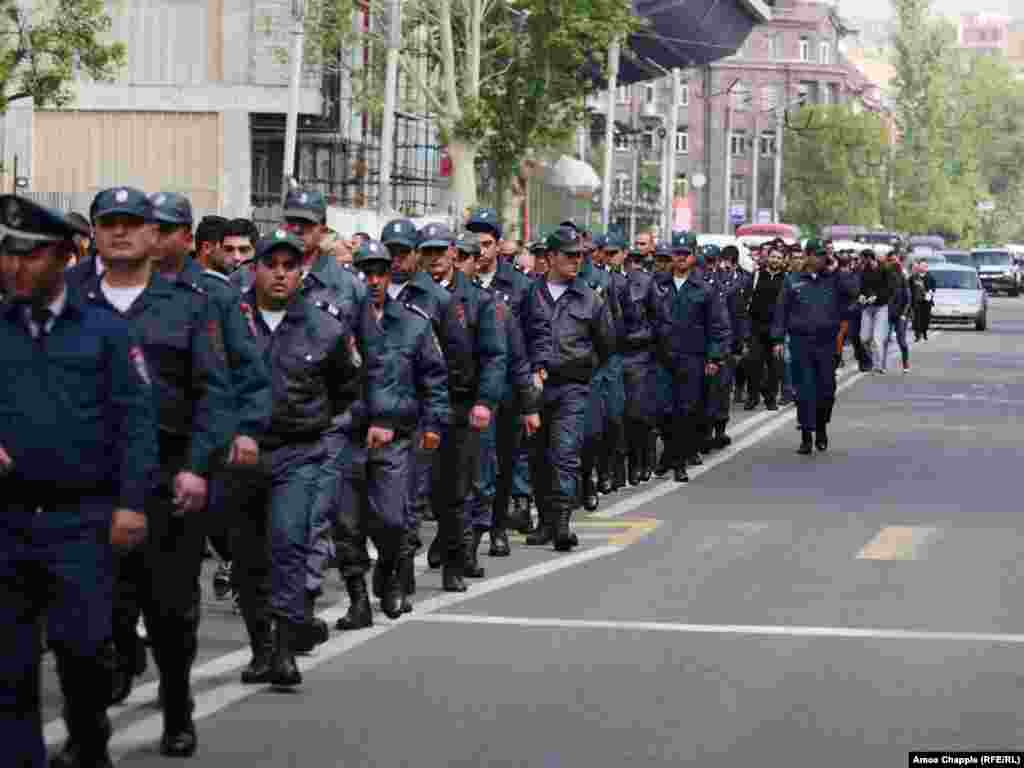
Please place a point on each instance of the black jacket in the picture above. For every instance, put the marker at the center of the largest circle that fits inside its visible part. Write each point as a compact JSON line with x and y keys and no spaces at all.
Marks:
{"x":812,"y":305}
{"x":764,"y":297}
{"x":477,"y":376}
{"x":877,"y":283}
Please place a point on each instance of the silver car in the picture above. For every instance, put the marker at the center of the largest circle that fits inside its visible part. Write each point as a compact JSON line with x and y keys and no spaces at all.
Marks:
{"x":998,"y":270}
{"x":959,"y":296}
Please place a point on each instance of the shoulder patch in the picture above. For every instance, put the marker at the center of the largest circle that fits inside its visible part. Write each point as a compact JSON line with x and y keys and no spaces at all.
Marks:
{"x":196,"y":287}
{"x":329,"y":308}
{"x":417,"y":310}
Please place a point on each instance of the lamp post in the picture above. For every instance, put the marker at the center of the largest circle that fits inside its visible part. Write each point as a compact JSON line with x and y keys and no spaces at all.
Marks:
{"x":292,"y":124}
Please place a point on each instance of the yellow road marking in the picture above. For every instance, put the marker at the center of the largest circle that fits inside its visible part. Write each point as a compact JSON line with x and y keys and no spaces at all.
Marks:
{"x":621,"y":532}
{"x":897,"y":542}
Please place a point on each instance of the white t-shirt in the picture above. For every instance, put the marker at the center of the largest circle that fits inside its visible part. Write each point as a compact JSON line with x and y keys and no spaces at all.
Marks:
{"x":272,"y":318}
{"x":122,"y":298}
{"x":487,"y":279}
{"x":557,"y":289}
{"x":679,"y":281}
{"x":395,"y":289}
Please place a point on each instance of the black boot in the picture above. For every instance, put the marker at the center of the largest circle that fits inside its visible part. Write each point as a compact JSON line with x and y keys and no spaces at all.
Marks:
{"x":451,"y":578}
{"x":313,"y":631}
{"x":407,"y":575}
{"x":665,"y":462}
{"x":650,"y":456}
{"x":523,"y":522}
{"x":588,"y":492}
{"x":471,"y":568}
{"x":604,"y":475}
{"x":86,"y":718}
{"x":751,"y":403}
{"x":359,"y":615}
{"x":284,"y":671}
{"x":434,"y":553}
{"x":563,"y":535}
{"x":543,"y":535}
{"x":262,"y":641}
{"x":722,"y":440}
{"x":499,"y":543}
{"x":680,"y":475}
{"x":636,"y":466}
{"x":619,"y":471}
{"x":391,"y":602}
{"x":805,"y":449}
{"x":821,"y":434}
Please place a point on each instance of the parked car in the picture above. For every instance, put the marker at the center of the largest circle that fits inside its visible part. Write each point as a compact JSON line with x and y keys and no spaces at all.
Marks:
{"x":959,"y":296}
{"x":998,"y":270}
{"x":958,"y":257}
{"x":889,"y":239}
{"x":931,"y":242}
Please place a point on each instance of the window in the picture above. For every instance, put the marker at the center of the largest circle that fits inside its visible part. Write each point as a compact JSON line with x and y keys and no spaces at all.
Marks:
{"x":768,"y":144}
{"x":740,"y":96}
{"x":648,"y":140}
{"x":825,"y":52}
{"x":622,"y":142}
{"x":774,"y":46}
{"x":684,"y":94}
{"x":769,"y":97}
{"x":805,"y":49}
{"x":682,"y":141}
{"x":738,"y":143}
{"x":650,"y":93}
{"x":738,"y":188}
{"x":807,"y":91}
{"x":622,"y":187}
{"x":622,"y":94}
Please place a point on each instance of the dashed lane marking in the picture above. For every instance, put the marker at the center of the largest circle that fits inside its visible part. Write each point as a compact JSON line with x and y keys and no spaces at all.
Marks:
{"x":898,"y":542}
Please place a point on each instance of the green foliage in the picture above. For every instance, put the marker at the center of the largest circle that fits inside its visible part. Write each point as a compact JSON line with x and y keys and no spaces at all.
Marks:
{"x":44,"y":42}
{"x":834,"y":160}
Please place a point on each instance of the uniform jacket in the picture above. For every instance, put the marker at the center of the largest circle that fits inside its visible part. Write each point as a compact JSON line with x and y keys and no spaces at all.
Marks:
{"x":406,"y":377}
{"x":810,"y":305}
{"x":478,"y":378}
{"x":77,"y":410}
{"x":315,"y":368}
{"x":600,"y":280}
{"x":637,"y":322}
{"x":183,"y":341}
{"x":734,"y":293}
{"x":249,"y":373}
{"x":334,"y":284}
{"x":570,"y":338}
{"x":688,"y":323}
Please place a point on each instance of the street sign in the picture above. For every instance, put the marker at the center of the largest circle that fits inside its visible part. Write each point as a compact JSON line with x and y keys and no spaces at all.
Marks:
{"x":738,"y":213}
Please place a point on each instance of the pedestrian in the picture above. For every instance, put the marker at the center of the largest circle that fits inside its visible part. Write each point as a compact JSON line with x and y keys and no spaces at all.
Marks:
{"x":569,"y":335}
{"x":764,"y":370}
{"x":183,"y":340}
{"x":77,"y":459}
{"x":922,"y":295}
{"x":899,"y":306}
{"x":875,"y":293}
{"x":809,"y":309}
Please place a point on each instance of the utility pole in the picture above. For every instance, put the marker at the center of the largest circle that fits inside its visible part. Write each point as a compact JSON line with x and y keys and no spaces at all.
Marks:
{"x":635,"y":189}
{"x":705,"y":205}
{"x":292,"y":125}
{"x":777,"y":187}
{"x":727,"y":180}
{"x":387,"y":133}
{"x":609,"y":135}
{"x":670,"y":152}
{"x":755,"y":154}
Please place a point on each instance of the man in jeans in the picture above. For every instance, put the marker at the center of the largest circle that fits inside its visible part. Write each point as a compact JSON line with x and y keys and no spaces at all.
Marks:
{"x":875,"y":292}
{"x":898,"y":306}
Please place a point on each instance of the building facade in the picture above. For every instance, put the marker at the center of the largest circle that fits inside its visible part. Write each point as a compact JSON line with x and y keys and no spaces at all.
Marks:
{"x":730,"y":124}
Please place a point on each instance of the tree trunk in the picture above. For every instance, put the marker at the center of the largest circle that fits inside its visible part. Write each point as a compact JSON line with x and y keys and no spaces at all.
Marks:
{"x":463,"y":154}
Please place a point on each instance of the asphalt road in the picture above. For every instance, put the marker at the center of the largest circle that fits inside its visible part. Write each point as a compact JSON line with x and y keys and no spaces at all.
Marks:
{"x":837,"y":610}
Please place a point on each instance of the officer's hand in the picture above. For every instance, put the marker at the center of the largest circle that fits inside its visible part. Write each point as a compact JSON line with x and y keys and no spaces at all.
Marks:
{"x":6,"y":462}
{"x":430,"y":441}
{"x":778,"y":351}
{"x":538,"y":380}
{"x":480,"y":417}
{"x":127,"y":528}
{"x":245,"y":452}
{"x":711,"y":369}
{"x":531,"y":422}
{"x":189,"y":492}
{"x":378,"y":437}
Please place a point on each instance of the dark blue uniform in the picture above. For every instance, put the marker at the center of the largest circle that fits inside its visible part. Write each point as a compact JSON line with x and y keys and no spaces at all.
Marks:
{"x":636,"y":344}
{"x":77,"y":416}
{"x":569,"y":339}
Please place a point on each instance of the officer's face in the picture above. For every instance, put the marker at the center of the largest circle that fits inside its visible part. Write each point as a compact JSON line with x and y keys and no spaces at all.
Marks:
{"x":541,"y":264}
{"x":311,"y":234}
{"x":726,"y":265}
{"x":232,"y":252}
{"x":465,"y":263}
{"x":36,"y":275}
{"x":121,"y":238}
{"x":564,"y":266}
{"x":378,"y":279}
{"x":616,"y":257}
{"x":173,"y":240}
{"x":278,"y":275}
{"x":682,"y":261}
{"x":487,"y":260}
{"x":644,"y":243}
{"x":438,"y":262}
{"x":342,"y":252}
{"x":508,"y":250}
{"x":403,"y":259}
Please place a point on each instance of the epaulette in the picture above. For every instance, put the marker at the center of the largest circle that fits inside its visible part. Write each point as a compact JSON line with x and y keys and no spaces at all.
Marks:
{"x":329,"y":308}
{"x":196,"y":287}
{"x":413,"y":308}
{"x":519,"y":268}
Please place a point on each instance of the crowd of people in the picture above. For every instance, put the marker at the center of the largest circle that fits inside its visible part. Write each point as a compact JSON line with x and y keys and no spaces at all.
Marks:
{"x":293,"y":396}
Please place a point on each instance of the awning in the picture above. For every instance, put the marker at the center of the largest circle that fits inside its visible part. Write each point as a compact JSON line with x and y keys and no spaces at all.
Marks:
{"x":686,"y":33}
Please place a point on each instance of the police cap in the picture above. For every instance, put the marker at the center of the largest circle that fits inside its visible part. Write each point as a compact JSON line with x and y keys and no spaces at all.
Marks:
{"x":538,"y":246}
{"x":615,"y":242}
{"x":25,"y":225}
{"x":468,"y":243}
{"x":484,"y":220}
{"x":435,"y":236}
{"x":601,"y":242}
{"x":279,"y":239}
{"x":171,"y":208}
{"x":370,"y":251}
{"x":309,"y":205}
{"x":711,"y":252}
{"x":684,"y":242}
{"x":662,"y":250}
{"x":566,"y":240}
{"x":816,"y":247}
{"x":124,"y":201}
{"x":399,"y":232}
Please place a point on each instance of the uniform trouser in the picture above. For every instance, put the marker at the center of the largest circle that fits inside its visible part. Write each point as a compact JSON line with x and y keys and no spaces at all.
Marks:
{"x":787,"y":367}
{"x":160,"y":580}
{"x":479,"y":502}
{"x":718,"y":392}
{"x":57,"y":566}
{"x":814,"y":378}
{"x":922,"y":317}
{"x":250,"y":543}
{"x":614,"y":406}
{"x":218,"y":505}
{"x":764,"y":369}
{"x":509,"y":439}
{"x":374,"y":494}
{"x":595,"y":421}
{"x":688,"y":414}
{"x":325,"y":510}
{"x":638,"y":394}
{"x":556,"y":447}
{"x":522,"y":486}
{"x":421,"y":472}
{"x":455,"y":473}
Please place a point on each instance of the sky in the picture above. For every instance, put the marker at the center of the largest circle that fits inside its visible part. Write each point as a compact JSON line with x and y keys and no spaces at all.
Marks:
{"x":880,"y":9}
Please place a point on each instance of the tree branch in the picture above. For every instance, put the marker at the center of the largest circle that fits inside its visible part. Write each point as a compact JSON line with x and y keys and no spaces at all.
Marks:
{"x":422,"y":84}
{"x":448,"y":60}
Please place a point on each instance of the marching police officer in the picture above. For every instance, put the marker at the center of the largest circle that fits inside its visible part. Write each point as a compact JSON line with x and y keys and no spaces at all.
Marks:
{"x":730,"y":290}
{"x":809,"y":309}
{"x":405,"y":393}
{"x":616,"y":445}
{"x":476,"y":386}
{"x":183,"y":339}
{"x":315,"y":370}
{"x":77,"y":459}
{"x":635,"y":347}
{"x":692,"y":333}
{"x":569,"y":334}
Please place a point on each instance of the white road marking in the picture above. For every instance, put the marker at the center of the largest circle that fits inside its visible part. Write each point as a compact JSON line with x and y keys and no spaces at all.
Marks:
{"x":962,"y":398}
{"x":867,"y":633}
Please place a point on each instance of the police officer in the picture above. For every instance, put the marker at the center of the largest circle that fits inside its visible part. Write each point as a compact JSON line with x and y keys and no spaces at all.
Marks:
{"x":315,"y":369}
{"x":405,"y":393}
{"x":809,"y":309}
{"x":730,"y":289}
{"x":476,"y":386}
{"x":664,"y":410}
{"x":183,"y":339}
{"x":616,"y":445}
{"x":692,"y":334}
{"x":77,"y":458}
{"x":569,"y":334}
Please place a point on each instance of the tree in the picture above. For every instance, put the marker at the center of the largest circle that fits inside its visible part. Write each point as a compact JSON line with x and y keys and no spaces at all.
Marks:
{"x":42,"y":44}
{"x":500,"y":77}
{"x":834,"y":161}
